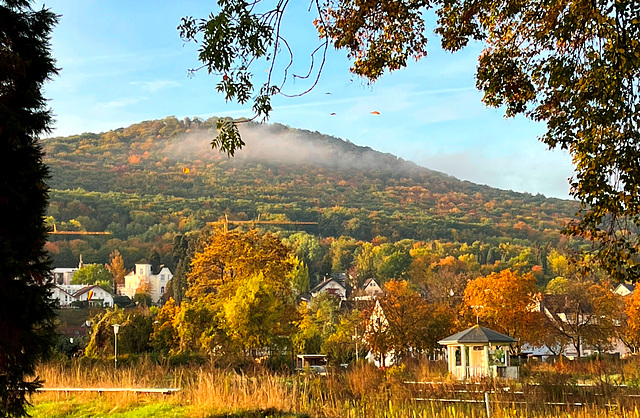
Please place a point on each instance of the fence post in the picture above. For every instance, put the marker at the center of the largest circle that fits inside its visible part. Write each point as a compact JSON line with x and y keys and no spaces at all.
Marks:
{"x":486,"y":402}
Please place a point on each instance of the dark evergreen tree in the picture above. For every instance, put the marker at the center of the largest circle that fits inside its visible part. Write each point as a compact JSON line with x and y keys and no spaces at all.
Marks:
{"x":183,"y":250}
{"x":27,"y":331}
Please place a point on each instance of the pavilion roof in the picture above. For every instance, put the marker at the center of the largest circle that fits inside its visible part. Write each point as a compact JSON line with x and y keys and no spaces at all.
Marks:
{"x":477,"y":334}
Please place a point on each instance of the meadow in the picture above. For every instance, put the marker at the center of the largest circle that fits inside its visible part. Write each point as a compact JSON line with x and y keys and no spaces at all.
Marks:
{"x":567,"y":389}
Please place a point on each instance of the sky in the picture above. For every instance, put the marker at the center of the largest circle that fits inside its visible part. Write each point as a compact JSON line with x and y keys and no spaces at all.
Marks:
{"x":123,"y":62}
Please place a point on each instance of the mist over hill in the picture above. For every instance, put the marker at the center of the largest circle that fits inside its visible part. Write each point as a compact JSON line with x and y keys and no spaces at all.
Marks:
{"x":279,"y":144}
{"x":153,"y":180}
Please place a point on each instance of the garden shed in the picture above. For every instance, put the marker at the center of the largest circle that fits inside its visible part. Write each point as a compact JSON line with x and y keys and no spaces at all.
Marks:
{"x":479,"y":352}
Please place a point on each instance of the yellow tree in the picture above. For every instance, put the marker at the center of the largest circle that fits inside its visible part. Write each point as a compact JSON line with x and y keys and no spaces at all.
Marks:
{"x":165,"y":336}
{"x":246,"y":279}
{"x":229,"y":258}
{"x":505,"y":302}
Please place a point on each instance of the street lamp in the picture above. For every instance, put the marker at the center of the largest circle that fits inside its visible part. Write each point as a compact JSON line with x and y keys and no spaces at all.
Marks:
{"x":116,"y":328}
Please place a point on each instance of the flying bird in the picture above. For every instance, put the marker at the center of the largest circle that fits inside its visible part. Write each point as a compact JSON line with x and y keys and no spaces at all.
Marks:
{"x":375,"y":112}
{"x":332,"y":114}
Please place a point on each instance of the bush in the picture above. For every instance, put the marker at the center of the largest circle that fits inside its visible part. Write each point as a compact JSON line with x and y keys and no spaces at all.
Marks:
{"x":185,"y":359}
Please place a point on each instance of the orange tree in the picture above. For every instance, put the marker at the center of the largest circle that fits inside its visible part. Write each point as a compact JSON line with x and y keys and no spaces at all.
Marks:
{"x":405,"y":323}
{"x":632,"y":311}
{"x":117,"y":269}
{"x":505,"y":302}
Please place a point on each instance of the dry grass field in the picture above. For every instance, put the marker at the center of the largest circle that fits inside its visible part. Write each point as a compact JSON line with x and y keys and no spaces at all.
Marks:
{"x":576,"y":390}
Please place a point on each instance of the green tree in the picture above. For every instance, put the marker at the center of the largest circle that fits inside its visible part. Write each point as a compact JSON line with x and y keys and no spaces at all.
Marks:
{"x":93,"y":274}
{"x":255,"y":316}
{"x":395,"y":266}
{"x":318,"y":321}
{"x":27,"y":334}
{"x":199,"y":329}
{"x":343,"y":251}
{"x":341,"y":346}
{"x":184,"y":246}
{"x":136,"y":327}
{"x":574,"y":66}
{"x":300,"y":277}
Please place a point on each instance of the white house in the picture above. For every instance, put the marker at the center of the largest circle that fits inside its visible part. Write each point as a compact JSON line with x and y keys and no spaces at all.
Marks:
{"x":372,"y":288}
{"x":63,"y":294}
{"x":143,"y":277}
{"x":331,"y":286}
{"x":94,"y":294}
{"x":379,"y":324}
{"x":64,"y":275}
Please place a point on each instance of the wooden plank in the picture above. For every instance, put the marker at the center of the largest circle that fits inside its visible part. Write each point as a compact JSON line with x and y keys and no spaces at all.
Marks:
{"x":164,"y":391}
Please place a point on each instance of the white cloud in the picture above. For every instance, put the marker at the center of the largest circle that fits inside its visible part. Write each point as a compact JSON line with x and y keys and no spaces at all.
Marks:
{"x":156,"y":85}
{"x":120,"y":103}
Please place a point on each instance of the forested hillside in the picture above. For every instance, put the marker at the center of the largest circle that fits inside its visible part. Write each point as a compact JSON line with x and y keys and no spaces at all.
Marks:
{"x":154,"y":180}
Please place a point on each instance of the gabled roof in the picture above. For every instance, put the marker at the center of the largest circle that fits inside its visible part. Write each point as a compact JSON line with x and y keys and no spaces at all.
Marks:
{"x":630,"y":287}
{"x":63,"y":290}
{"x":368,"y":282}
{"x":86,"y":289}
{"x":321,"y":286}
{"x":556,"y":304}
{"x":477,"y":334}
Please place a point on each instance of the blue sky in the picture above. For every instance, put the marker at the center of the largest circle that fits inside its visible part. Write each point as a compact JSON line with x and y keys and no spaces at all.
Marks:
{"x":123,"y":62}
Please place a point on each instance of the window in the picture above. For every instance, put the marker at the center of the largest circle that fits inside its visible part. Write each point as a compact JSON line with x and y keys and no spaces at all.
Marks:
{"x":162,"y":290}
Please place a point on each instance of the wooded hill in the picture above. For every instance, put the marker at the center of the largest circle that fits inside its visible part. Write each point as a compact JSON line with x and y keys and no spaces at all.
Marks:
{"x":153,"y":180}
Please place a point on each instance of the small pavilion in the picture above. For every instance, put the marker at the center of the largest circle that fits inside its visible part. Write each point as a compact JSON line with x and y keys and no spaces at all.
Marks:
{"x":479,"y":352}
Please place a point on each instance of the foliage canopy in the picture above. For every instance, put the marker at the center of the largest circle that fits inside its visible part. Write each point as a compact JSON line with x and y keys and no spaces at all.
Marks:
{"x":572,"y":64}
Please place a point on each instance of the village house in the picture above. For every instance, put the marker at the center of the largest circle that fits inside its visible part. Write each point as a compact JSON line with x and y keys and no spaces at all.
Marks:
{"x":568,"y":316}
{"x":65,"y":274}
{"x":372,"y":288}
{"x":143,"y":279}
{"x":330,"y":286}
{"x":93,"y":294}
{"x":370,"y":291}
